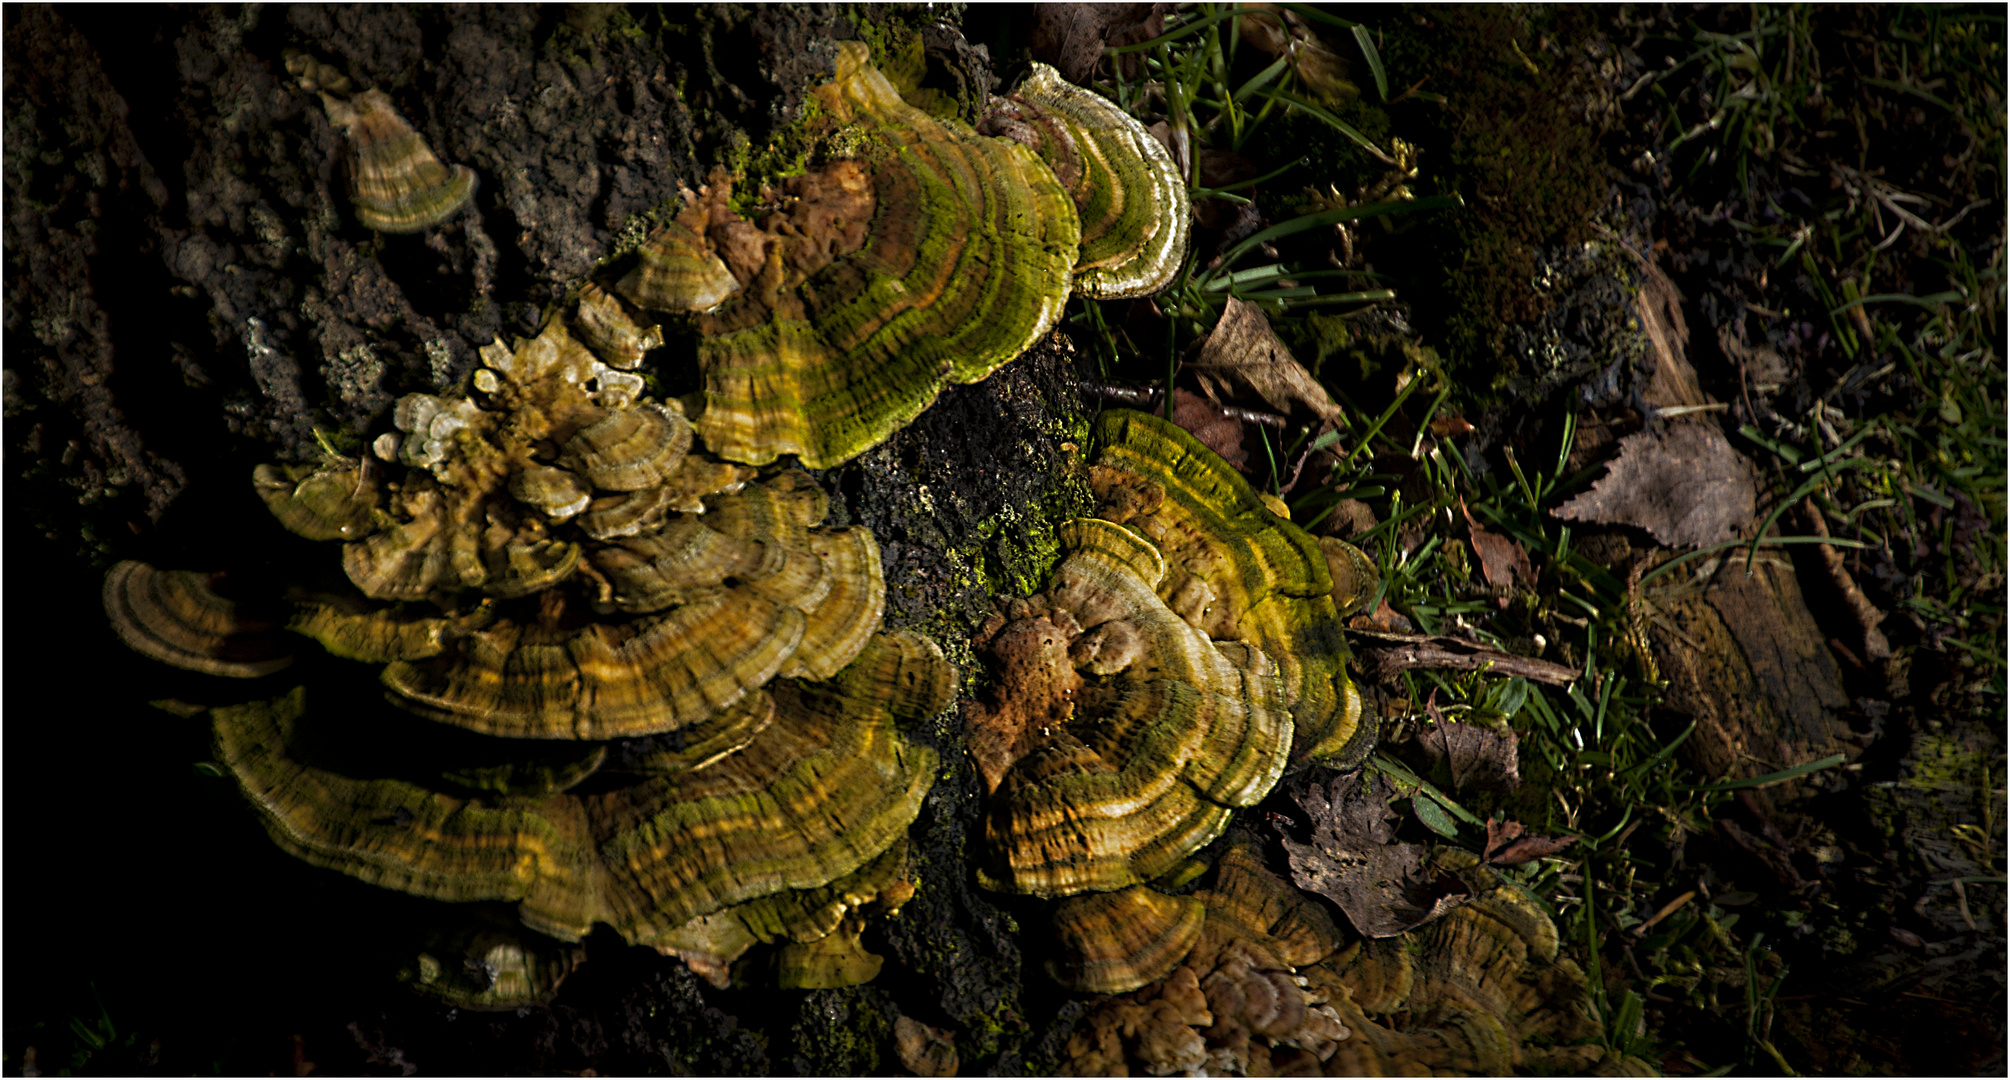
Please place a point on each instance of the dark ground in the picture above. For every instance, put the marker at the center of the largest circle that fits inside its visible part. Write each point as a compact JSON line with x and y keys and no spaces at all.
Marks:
{"x":186,"y":296}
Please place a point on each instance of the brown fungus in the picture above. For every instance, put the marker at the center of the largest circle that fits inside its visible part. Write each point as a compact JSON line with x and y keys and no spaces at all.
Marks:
{"x":1115,"y":942}
{"x":395,"y":183}
{"x":1237,"y":571}
{"x":175,"y":617}
{"x":810,"y":814}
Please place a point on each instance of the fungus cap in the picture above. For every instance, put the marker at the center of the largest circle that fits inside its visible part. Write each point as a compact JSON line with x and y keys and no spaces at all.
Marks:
{"x":1236,"y":570}
{"x":1124,"y":183}
{"x":396,"y":184}
{"x":1168,"y":735}
{"x":825,"y":790}
{"x":847,"y":334}
{"x":173,"y":616}
{"x":1115,"y":942}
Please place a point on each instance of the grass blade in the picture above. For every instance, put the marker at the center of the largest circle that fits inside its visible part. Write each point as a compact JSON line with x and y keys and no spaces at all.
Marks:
{"x":1374,"y":60}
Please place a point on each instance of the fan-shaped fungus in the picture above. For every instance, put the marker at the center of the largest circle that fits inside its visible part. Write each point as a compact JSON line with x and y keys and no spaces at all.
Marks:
{"x":395,"y":182}
{"x":1124,"y":183}
{"x":1237,"y":571}
{"x":1171,"y":732}
{"x":934,"y":256}
{"x":808,"y":814}
{"x":174,"y":617}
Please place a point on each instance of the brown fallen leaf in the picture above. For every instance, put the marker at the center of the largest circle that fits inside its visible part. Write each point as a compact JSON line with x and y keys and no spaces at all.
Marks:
{"x":924,"y":1050}
{"x":1348,"y":518}
{"x":1686,"y":486}
{"x":1507,"y":844}
{"x":1205,"y":421}
{"x":1384,"y":619}
{"x":1355,"y":861}
{"x":1504,"y":560}
{"x":1479,"y":756}
{"x":1072,"y":36}
{"x":1242,"y":356}
{"x":1445,"y":427}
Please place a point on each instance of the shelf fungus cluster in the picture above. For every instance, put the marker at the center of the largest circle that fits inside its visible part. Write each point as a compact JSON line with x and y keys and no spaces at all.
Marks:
{"x":1273,"y":987}
{"x":654,"y":684}
{"x":925,"y":254}
{"x":1155,"y":688}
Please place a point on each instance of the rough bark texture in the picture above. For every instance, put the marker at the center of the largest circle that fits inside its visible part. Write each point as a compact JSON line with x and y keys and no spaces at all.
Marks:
{"x":1754,"y":671}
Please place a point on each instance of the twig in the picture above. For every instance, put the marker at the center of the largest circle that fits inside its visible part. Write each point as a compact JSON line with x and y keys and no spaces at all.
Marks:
{"x":1875,"y":647}
{"x":1149,"y":398}
{"x":1409,"y":651}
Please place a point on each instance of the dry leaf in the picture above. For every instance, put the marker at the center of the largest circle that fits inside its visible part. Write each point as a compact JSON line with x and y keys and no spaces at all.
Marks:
{"x":1507,"y":845}
{"x":1478,"y":756}
{"x":1348,"y":518}
{"x":1384,"y":619}
{"x":924,"y":1050}
{"x":1204,"y":420}
{"x":1072,"y":36}
{"x":1686,"y":486}
{"x":1504,"y":560}
{"x":1243,"y":355}
{"x":1355,"y":861}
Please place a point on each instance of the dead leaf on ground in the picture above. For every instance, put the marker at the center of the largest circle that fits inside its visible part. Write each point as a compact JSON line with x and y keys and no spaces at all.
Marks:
{"x":1072,"y":36}
{"x":1478,"y":756}
{"x":1504,"y":560}
{"x":1384,"y":619}
{"x":1205,"y":421}
{"x":924,"y":1050}
{"x":1347,"y":519}
{"x":1355,"y":861}
{"x":1243,"y":356}
{"x":1686,"y":486}
{"x":1508,"y":844}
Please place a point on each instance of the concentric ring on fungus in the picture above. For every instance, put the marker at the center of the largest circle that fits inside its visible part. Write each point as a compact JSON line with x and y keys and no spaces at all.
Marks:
{"x":935,"y":256}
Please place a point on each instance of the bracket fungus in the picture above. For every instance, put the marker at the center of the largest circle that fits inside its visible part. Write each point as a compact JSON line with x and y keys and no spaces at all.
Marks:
{"x":396,"y":184}
{"x":175,"y":617}
{"x":1158,"y":684}
{"x":780,"y":839}
{"x":1232,"y":1003}
{"x":1124,"y":183}
{"x":1480,"y":991}
{"x":1164,"y":738}
{"x":1272,"y":986}
{"x":1236,"y":570}
{"x":933,"y":256}
{"x":559,"y":475}
{"x":674,"y":709}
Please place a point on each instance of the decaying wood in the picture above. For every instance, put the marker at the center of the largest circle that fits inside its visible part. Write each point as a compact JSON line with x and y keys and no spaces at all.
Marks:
{"x":1747,"y":661}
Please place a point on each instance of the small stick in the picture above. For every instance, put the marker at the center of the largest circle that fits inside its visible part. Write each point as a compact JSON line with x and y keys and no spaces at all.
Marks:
{"x":1149,"y":398}
{"x":1409,"y":651}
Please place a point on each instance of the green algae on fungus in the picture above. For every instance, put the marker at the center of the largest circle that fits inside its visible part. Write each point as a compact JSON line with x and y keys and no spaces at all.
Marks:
{"x":1124,"y":738}
{"x":1237,"y":571}
{"x":1125,"y":185}
{"x":813,"y":801}
{"x":852,"y":324}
